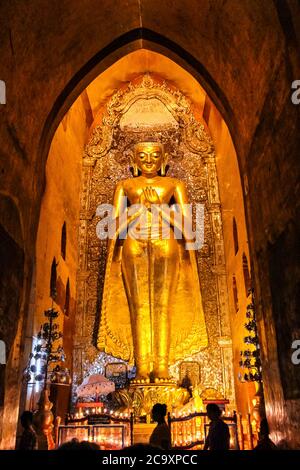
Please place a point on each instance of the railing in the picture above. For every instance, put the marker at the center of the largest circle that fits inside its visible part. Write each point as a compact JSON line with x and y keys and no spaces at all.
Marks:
{"x":190,"y":431}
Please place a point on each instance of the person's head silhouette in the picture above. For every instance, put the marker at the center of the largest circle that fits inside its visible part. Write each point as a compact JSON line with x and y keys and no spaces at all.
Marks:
{"x":27,"y":419}
{"x":213,"y":411}
{"x":159,"y":412}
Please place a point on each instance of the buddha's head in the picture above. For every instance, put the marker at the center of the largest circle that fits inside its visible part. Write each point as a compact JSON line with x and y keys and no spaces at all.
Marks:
{"x":149,"y":158}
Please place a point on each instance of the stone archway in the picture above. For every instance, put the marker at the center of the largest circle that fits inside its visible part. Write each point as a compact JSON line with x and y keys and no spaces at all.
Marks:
{"x":238,"y":176}
{"x":264,"y":124}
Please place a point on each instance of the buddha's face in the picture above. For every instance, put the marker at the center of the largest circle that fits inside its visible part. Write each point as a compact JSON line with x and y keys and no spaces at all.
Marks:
{"x":149,"y":157}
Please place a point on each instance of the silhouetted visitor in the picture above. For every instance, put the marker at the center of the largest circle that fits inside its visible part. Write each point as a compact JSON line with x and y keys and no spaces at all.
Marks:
{"x":218,"y":437}
{"x":29,"y":438}
{"x":161,"y":435}
{"x":264,"y":442}
{"x":75,"y":444}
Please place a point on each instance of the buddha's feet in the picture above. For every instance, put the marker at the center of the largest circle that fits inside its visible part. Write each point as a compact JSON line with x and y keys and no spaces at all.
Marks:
{"x":142,"y":371}
{"x":161,"y":372}
{"x":141,"y":377}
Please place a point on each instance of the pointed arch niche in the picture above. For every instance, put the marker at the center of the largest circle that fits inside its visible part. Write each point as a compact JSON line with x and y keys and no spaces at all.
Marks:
{"x":90,"y":152}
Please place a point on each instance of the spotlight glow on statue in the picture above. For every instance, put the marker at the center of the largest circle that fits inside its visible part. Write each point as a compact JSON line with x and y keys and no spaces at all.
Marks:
{"x":151,"y":307}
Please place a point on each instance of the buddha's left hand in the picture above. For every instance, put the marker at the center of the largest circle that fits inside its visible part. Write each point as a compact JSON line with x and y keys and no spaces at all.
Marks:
{"x":151,"y":195}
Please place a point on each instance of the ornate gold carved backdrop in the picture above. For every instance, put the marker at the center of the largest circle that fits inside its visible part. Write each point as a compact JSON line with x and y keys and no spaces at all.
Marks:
{"x":149,"y":107}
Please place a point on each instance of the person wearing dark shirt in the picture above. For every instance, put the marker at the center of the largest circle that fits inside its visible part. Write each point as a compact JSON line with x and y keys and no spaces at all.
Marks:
{"x":218,"y":437}
{"x":161,"y":435}
{"x":29,"y":438}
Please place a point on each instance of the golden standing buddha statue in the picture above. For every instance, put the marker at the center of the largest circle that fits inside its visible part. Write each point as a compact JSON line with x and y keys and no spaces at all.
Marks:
{"x":151,"y":308}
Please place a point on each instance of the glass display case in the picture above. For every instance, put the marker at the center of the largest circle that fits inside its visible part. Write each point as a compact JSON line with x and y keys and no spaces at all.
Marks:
{"x":107,"y":436}
{"x":67,"y":433}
